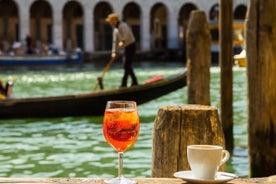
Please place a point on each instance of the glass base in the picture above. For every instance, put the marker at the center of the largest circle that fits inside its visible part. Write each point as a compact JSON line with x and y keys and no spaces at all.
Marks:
{"x":120,"y":181}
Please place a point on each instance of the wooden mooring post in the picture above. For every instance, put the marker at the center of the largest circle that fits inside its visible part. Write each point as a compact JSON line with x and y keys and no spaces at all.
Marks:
{"x":175,"y":127}
{"x":261,"y":73}
{"x":226,"y":73}
{"x":198,"y":59}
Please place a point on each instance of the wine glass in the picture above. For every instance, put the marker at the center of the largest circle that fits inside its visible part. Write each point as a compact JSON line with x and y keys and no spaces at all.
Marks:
{"x":121,"y":129}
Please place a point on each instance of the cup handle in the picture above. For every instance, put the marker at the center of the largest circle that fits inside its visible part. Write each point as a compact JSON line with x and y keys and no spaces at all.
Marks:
{"x":226,"y":156}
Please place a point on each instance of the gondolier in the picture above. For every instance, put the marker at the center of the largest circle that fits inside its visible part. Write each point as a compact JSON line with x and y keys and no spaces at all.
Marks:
{"x":123,"y":38}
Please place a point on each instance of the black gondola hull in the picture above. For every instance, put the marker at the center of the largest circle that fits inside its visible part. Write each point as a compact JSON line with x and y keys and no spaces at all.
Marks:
{"x":87,"y":104}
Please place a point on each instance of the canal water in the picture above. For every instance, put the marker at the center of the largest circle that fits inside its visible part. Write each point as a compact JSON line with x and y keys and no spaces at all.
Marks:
{"x":75,"y":146}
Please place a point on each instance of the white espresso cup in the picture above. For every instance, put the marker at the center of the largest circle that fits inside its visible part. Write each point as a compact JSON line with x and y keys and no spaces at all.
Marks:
{"x":205,"y":160}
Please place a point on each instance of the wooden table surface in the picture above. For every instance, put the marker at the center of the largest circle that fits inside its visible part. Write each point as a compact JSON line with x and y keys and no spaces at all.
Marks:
{"x":267,"y":180}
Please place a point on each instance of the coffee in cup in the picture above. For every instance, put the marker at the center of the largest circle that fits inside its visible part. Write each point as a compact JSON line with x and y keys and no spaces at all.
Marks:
{"x":205,"y":160}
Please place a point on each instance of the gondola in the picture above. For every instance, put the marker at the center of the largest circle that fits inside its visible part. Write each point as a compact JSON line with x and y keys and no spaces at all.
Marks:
{"x":88,"y":104}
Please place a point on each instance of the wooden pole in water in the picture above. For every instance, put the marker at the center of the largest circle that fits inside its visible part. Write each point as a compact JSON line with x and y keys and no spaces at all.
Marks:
{"x":198,"y":59}
{"x":226,"y":64}
{"x":261,"y":67}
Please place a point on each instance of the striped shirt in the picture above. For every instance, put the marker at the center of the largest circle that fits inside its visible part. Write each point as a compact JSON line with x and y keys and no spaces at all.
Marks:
{"x":122,"y":33}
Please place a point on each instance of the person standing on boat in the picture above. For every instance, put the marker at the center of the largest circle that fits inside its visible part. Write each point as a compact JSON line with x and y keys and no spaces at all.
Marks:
{"x":2,"y":90}
{"x":5,"y":92}
{"x":123,"y":38}
{"x":29,"y":49}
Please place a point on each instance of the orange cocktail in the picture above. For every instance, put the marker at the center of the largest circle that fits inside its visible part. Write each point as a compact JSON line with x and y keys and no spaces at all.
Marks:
{"x":121,"y":127}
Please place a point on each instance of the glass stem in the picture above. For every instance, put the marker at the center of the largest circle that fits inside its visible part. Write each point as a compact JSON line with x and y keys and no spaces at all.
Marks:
{"x":120,"y":164}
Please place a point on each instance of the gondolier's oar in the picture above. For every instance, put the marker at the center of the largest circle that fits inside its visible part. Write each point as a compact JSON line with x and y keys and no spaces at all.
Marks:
{"x":100,"y":79}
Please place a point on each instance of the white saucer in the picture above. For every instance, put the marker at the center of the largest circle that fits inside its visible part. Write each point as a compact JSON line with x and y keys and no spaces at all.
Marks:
{"x":221,"y":177}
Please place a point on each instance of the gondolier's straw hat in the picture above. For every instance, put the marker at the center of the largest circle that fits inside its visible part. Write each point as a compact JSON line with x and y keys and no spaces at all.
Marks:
{"x":112,"y":16}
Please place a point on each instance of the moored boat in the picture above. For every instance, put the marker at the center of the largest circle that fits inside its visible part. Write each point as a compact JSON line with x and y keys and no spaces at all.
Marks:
{"x":87,"y":104}
{"x":40,"y":59}
{"x":240,"y":59}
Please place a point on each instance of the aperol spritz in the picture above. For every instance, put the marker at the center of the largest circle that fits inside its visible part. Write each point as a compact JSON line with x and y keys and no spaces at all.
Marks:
{"x":121,"y":129}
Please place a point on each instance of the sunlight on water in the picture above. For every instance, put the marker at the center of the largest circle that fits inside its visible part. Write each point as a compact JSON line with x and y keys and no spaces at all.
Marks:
{"x":75,"y":146}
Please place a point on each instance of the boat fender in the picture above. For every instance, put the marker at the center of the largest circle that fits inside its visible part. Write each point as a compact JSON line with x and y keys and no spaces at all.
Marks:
{"x":153,"y":79}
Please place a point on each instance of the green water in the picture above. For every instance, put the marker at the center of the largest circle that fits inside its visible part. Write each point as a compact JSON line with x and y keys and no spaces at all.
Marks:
{"x":75,"y":146}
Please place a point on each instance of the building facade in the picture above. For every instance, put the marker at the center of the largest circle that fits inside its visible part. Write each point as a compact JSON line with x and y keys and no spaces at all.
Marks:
{"x":69,"y":24}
